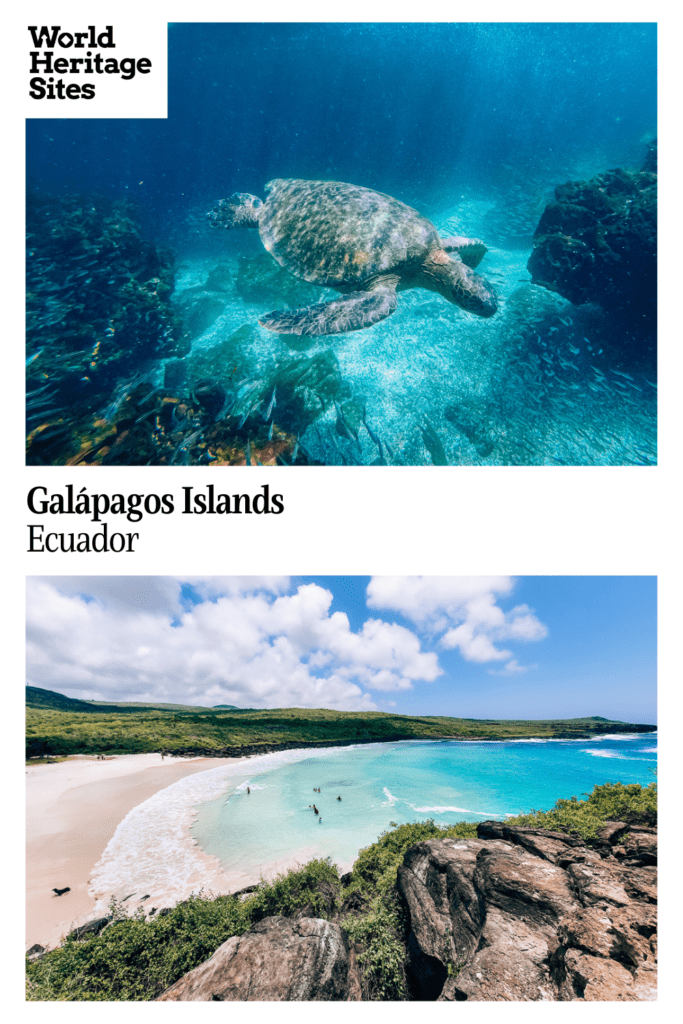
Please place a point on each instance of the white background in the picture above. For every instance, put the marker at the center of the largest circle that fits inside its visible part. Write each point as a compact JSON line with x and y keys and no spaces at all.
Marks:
{"x":440,"y":521}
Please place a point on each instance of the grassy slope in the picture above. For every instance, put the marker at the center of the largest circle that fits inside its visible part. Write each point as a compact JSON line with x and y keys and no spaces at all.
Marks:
{"x":58,"y":725}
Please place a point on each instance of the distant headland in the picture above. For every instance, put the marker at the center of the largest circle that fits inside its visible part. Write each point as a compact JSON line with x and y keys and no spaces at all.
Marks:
{"x":57,"y":725}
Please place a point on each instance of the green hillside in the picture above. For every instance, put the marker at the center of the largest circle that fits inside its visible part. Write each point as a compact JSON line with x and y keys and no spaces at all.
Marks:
{"x":58,"y":725}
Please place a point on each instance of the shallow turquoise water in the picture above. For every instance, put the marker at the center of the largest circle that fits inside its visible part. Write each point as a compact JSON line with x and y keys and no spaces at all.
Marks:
{"x":400,"y":782}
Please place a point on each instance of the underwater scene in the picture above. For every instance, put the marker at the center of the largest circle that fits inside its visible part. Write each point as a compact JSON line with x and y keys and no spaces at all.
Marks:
{"x":354,"y":244}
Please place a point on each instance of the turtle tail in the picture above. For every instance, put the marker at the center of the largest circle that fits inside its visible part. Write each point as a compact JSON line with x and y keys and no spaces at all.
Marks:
{"x":241,"y":210}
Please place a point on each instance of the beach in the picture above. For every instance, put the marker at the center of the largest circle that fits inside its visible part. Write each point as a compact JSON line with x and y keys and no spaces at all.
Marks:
{"x":73,"y":809}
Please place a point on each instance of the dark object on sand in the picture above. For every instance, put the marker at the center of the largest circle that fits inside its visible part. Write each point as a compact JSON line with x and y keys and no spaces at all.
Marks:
{"x":60,"y":892}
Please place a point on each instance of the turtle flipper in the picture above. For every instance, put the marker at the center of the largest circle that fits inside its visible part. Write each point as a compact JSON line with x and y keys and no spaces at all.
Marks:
{"x":470,"y":250}
{"x":350,"y":313}
{"x":241,"y":210}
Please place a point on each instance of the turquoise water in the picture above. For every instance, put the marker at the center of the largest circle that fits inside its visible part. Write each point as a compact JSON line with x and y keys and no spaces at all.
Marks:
{"x":382,"y":783}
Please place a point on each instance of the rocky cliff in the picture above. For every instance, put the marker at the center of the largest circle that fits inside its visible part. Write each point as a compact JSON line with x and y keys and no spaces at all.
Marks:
{"x":515,"y":914}
{"x":527,"y":914}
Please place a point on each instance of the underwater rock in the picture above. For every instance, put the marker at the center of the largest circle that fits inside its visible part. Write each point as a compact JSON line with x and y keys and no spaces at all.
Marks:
{"x":49,"y":443}
{"x":97,"y":291}
{"x":199,"y":311}
{"x":306,"y":386}
{"x":433,"y":444}
{"x":210,"y":395}
{"x":650,"y":162}
{"x":227,"y":359}
{"x":97,"y":305}
{"x":175,"y":376}
{"x":149,"y":427}
{"x":598,"y":243}
{"x":351,"y":419}
{"x":219,"y":279}
{"x":471,"y":416}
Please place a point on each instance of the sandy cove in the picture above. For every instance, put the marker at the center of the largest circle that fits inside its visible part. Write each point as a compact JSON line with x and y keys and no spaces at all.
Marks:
{"x":72,"y":811}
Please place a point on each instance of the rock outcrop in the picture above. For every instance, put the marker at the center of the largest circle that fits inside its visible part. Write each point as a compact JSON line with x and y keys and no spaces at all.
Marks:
{"x":598,"y":243}
{"x":279,"y":959}
{"x":528,"y":914}
{"x":517,"y":914}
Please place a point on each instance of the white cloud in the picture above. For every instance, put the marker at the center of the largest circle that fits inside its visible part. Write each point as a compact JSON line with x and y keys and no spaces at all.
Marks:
{"x":512,"y":668}
{"x":135,"y":639}
{"x":465,"y":607}
{"x":426,"y":599}
{"x":122,"y":594}
{"x":213,"y":587}
{"x":473,"y":646}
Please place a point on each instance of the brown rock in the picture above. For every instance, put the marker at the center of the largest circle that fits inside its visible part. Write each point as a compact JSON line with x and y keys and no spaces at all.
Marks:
{"x":597,"y":883}
{"x":523,"y":915}
{"x":503,"y":930}
{"x":499,"y":974}
{"x":277,"y":960}
{"x":641,"y":884}
{"x":598,"y":932}
{"x":639,"y":848}
{"x":523,"y":885}
{"x":540,"y":841}
{"x":436,"y":879}
{"x":595,"y":979}
{"x":611,"y":832}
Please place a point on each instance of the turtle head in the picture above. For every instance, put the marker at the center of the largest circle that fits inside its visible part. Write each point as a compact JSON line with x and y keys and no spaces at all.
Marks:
{"x":459,"y":284}
{"x":241,"y":210}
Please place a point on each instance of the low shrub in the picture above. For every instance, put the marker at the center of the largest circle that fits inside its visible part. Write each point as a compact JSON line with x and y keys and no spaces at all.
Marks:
{"x":633,"y":803}
{"x":136,"y":958}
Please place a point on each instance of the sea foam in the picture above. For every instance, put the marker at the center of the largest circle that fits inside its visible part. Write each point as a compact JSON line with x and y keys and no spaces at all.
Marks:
{"x":152,"y":851}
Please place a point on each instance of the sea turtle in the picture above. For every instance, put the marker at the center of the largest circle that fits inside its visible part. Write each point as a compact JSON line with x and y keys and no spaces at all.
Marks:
{"x":361,"y":243}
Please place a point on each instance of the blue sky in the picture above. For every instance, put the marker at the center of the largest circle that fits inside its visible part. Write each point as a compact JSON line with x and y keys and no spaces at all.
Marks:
{"x":473,"y":647}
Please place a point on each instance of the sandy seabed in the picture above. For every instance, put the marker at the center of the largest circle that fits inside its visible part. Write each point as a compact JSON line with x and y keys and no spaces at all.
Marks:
{"x":73,"y":809}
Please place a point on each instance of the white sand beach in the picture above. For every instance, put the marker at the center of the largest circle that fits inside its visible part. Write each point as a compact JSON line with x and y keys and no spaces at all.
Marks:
{"x":72,"y":811}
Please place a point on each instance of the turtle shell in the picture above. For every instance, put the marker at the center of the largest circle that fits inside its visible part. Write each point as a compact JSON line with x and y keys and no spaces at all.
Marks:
{"x":335,"y":234}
